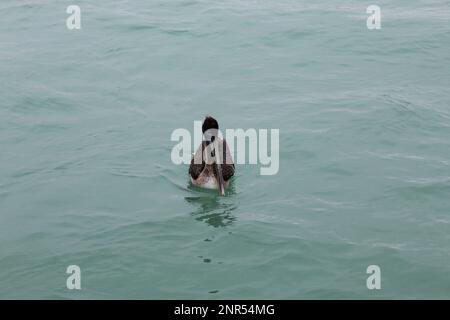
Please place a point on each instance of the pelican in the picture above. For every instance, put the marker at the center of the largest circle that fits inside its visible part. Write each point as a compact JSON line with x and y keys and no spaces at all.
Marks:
{"x":212,"y":165}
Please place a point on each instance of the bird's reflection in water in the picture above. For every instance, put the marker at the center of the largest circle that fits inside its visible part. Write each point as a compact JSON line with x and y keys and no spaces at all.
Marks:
{"x":212,"y":209}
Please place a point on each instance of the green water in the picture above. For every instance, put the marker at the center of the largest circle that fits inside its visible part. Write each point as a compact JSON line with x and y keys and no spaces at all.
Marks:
{"x":85,"y":171}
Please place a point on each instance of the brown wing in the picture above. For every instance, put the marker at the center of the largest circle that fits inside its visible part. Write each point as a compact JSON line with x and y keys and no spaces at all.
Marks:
{"x":227,"y":165}
{"x":227,"y":171}
{"x":198,"y":163}
{"x":195,"y":169}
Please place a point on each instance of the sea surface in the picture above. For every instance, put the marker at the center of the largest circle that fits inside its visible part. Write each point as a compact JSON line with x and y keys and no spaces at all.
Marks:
{"x":86,"y":176}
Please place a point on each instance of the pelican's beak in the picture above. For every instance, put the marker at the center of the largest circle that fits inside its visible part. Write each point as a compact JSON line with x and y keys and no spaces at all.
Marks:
{"x":219,"y":178}
{"x":218,"y":174}
{"x":217,"y":168}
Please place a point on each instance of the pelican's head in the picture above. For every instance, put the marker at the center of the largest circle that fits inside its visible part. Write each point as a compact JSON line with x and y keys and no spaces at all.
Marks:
{"x":210,"y":128}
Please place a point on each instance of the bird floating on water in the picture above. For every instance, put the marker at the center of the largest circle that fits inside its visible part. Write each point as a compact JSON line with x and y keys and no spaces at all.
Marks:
{"x":212,"y":165}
